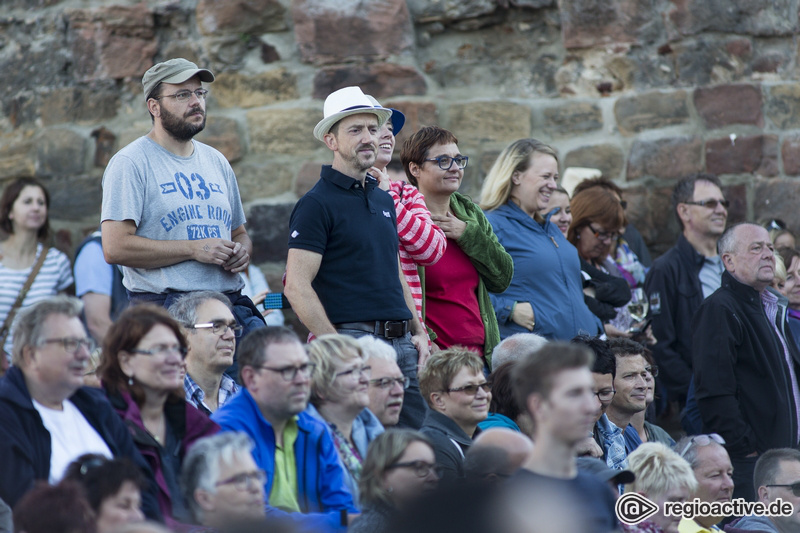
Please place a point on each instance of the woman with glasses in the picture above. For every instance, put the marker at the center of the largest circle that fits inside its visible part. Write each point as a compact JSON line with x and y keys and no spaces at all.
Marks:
{"x":400,"y":467}
{"x":545,"y":295}
{"x":142,"y":371}
{"x":113,"y":488}
{"x":340,"y":397}
{"x":456,"y":289}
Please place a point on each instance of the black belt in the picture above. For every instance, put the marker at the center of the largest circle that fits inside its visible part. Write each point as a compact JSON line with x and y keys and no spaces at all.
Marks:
{"x":389,"y":329}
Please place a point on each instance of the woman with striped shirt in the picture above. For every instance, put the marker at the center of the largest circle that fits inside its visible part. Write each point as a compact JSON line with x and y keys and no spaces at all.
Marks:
{"x":24,"y":218}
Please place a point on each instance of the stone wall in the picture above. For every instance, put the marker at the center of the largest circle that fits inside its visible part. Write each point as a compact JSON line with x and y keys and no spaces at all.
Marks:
{"x":646,"y":90}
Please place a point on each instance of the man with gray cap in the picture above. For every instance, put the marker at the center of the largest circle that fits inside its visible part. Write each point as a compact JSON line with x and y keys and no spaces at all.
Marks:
{"x":172,"y":214}
{"x":343,"y":273}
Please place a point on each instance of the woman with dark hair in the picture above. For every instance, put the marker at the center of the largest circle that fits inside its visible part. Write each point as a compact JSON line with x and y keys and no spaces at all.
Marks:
{"x":25,"y":257}
{"x":456,"y":289}
{"x":504,"y":411}
{"x":112,"y":487}
{"x":399,"y":468}
{"x":142,"y":373}
{"x":54,"y":508}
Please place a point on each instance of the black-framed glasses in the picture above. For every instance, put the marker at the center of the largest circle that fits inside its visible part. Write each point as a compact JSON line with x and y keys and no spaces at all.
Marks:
{"x":794,"y":487}
{"x":184,"y":96}
{"x":163,"y":350}
{"x":420,"y":468}
{"x":71,"y":344}
{"x":445,"y":161}
{"x":387,"y":383}
{"x":289,"y":373}
{"x":605,"y":395}
{"x":702,"y":440}
{"x":472,"y":390}
{"x":652,"y":370}
{"x":218,"y":327}
{"x":604,"y":235}
{"x":245,"y":480}
{"x":711,"y":204}
{"x":357,"y":372}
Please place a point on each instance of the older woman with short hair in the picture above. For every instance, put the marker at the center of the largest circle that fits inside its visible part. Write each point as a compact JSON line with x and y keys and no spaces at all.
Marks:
{"x":400,"y":467}
{"x":661,"y":476}
{"x":340,"y":398}
{"x":546,"y":294}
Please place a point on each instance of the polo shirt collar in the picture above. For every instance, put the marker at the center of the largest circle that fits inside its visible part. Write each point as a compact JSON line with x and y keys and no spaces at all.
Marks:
{"x":344,"y":181}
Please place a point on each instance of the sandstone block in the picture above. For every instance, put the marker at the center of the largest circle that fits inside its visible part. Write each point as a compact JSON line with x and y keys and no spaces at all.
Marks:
{"x":65,"y":204}
{"x":105,"y":146}
{"x":17,"y":157}
{"x":232,"y":89}
{"x":729,"y":104}
{"x":240,"y":16}
{"x":497,"y":122}
{"x":264,"y":177}
{"x":223,"y":134}
{"x":777,"y":199}
{"x":417,"y":114}
{"x":570,"y":119}
{"x":586,"y":23}
{"x":307,"y":176}
{"x":60,"y":152}
{"x":671,"y":158}
{"x":76,"y":104}
{"x":737,"y":195}
{"x":752,"y":17}
{"x":606,"y":157}
{"x":790,"y":152}
{"x":283,"y":131}
{"x":650,"y":211}
{"x":425,"y":11}
{"x":650,"y":111}
{"x":268,"y":226}
{"x":329,"y":32}
{"x":783,"y":105}
{"x":378,"y":79}
{"x":747,"y":155}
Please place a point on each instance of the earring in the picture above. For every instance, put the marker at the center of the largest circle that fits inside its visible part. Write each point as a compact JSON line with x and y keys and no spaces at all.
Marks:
{"x":130,"y":381}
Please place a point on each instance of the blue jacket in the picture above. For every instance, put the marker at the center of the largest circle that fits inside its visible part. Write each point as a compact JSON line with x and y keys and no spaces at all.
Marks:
{"x":322,"y":493}
{"x":547,"y":274}
{"x":25,"y":444}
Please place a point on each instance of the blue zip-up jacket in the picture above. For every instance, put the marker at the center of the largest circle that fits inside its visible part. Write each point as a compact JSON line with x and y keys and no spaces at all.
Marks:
{"x":547,"y":273}
{"x":322,"y":494}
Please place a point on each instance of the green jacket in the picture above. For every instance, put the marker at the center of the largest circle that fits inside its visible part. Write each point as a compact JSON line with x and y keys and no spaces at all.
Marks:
{"x":495,"y":267}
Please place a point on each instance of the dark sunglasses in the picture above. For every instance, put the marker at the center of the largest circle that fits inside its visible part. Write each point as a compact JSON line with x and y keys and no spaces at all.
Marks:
{"x":711,"y":204}
{"x":795,"y":488}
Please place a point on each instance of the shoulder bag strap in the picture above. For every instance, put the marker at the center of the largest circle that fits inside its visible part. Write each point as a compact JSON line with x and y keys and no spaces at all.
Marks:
{"x":21,"y":296}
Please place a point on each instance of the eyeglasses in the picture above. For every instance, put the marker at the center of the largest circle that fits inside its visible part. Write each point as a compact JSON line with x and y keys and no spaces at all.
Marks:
{"x":219,"y":327}
{"x":420,"y":468}
{"x":162,"y":350}
{"x":445,"y":161}
{"x":71,"y":344}
{"x":711,"y":204}
{"x":358,"y":371}
{"x":605,"y":395}
{"x":184,"y":96}
{"x":386,"y":383}
{"x":245,"y":480}
{"x":289,"y":373}
{"x":776,"y":224}
{"x":703,"y":440}
{"x":795,"y":487}
{"x":604,"y":235}
{"x":472,"y":390}
{"x":652,"y":370}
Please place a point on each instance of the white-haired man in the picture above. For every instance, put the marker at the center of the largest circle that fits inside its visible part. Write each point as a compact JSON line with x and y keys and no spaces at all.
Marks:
{"x":387,"y":383}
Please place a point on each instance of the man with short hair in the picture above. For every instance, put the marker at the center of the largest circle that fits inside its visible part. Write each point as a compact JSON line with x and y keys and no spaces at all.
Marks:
{"x":516,"y":346}
{"x":343,"y":273}
{"x":47,"y":417}
{"x":745,"y":359}
{"x":496,"y":454}
{"x":556,"y":388}
{"x":224,"y":487}
{"x":172,"y":214}
{"x":714,"y":474}
{"x":387,"y":383}
{"x":458,"y":395}
{"x":680,"y":279}
{"x":211,"y":335}
{"x":304,"y":475}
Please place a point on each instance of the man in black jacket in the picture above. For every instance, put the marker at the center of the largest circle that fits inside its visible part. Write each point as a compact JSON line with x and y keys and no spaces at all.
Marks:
{"x":680,"y":279}
{"x":47,"y":417}
{"x":745,"y":364}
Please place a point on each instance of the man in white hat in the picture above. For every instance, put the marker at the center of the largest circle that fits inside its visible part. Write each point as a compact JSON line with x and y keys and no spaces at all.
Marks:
{"x":343,"y":273}
{"x":172,"y":214}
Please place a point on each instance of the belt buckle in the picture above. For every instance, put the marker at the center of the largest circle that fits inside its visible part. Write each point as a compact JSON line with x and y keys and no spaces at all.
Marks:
{"x":393,"y":329}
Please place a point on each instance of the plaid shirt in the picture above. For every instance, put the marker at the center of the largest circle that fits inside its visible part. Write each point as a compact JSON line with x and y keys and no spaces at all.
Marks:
{"x":195,"y":395}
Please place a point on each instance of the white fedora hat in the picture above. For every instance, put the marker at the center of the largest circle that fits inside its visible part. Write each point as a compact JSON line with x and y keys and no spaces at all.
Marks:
{"x":345,"y":102}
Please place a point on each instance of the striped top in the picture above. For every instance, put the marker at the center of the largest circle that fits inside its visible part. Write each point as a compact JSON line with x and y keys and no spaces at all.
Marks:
{"x":54,"y":277}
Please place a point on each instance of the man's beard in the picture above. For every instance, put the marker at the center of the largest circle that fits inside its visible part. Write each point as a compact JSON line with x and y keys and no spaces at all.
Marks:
{"x":178,"y":127}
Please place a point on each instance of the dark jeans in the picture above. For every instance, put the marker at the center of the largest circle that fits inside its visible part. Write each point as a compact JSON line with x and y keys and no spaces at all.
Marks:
{"x":743,"y":468}
{"x":414,"y":407}
{"x":244,"y":310}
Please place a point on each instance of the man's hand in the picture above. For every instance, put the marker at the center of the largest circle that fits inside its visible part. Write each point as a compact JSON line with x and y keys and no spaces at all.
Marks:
{"x":452,"y":227}
{"x":588,"y":447}
{"x":421,"y":344}
{"x":213,"y":251}
{"x":239,"y":259}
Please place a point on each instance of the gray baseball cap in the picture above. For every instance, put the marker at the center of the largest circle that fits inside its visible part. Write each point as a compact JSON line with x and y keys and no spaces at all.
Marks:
{"x":176,"y":70}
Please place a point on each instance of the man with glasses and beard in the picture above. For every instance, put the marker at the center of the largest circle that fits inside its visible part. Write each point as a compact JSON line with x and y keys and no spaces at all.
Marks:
{"x":172,"y":215}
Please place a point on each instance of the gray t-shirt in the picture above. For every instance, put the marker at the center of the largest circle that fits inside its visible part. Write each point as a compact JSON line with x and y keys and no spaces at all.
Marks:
{"x":174,"y":198}
{"x":711,"y":275}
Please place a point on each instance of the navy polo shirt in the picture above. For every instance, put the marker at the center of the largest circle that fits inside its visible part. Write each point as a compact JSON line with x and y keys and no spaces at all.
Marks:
{"x":354,"y":228}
